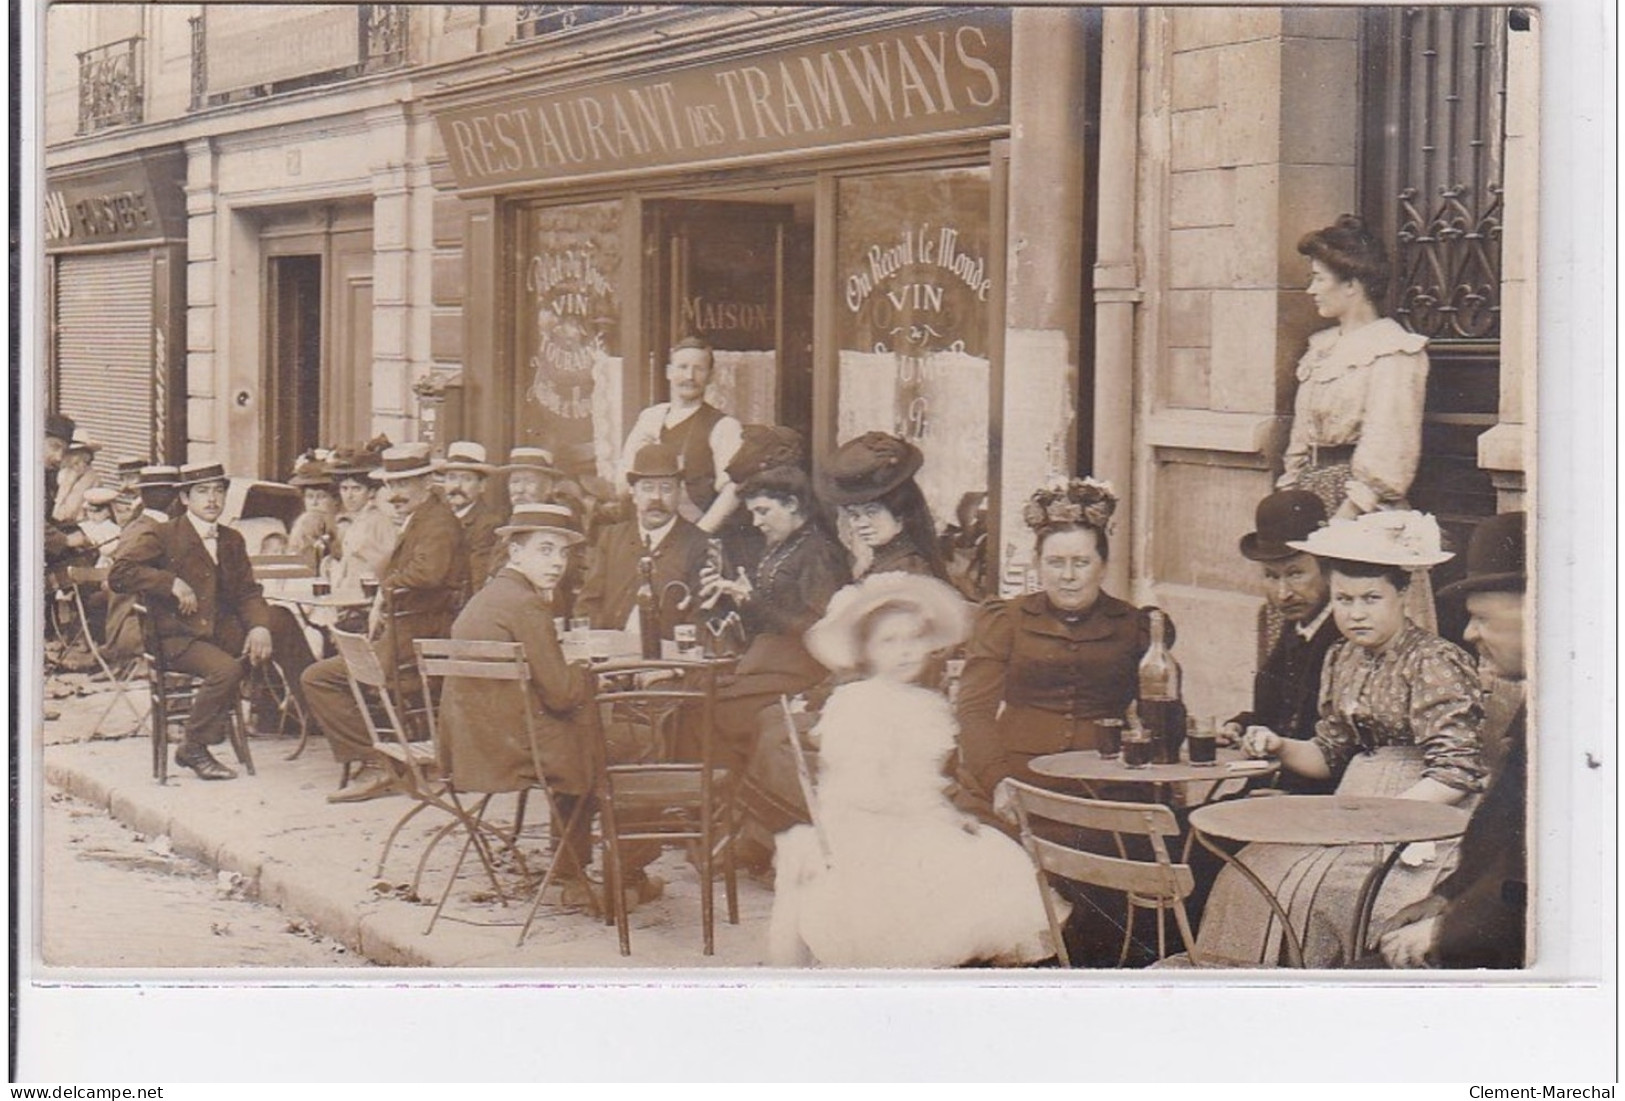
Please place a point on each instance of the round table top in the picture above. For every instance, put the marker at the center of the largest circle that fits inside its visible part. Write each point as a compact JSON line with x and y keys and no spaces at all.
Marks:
{"x":297,"y":590}
{"x":1330,"y":820}
{"x":1087,"y":764}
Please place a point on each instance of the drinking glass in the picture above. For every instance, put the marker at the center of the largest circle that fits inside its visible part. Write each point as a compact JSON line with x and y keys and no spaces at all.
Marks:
{"x":1203,"y":741}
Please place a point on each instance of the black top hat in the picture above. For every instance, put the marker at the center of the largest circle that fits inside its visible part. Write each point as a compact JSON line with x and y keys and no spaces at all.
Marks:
{"x":196,"y":474}
{"x":764,"y":446}
{"x":1496,"y":561}
{"x":1284,"y":516}
{"x":59,"y":426}
{"x":868,"y":468}
{"x":655,"y":460}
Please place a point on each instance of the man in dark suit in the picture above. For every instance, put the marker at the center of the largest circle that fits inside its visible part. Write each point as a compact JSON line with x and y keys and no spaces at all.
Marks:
{"x":1286,"y":690}
{"x":463,"y":474}
{"x":676,"y":548}
{"x":417,"y":598}
{"x":208,"y":611}
{"x":1476,"y":916}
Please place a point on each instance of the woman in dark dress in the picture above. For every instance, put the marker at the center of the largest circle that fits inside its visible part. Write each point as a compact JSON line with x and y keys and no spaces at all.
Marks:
{"x":871,"y":480}
{"x":786,"y":592}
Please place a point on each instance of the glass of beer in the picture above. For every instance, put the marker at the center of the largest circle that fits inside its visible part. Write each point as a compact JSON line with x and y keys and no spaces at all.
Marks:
{"x":687,"y":637}
{"x":1109,"y":737}
{"x":1202,"y":738}
{"x":1136,"y":747}
{"x":320,"y":587}
{"x":369,"y":587}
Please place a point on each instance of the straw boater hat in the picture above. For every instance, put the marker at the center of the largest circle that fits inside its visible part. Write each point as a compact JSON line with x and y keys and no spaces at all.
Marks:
{"x":1496,"y":561}
{"x":654,"y":460}
{"x":312,"y":474}
{"x":1284,"y":515}
{"x":466,"y":455}
{"x":159,"y":474}
{"x":101,"y":496}
{"x":834,"y":641}
{"x":409,"y":460}
{"x":82,"y":442}
{"x":531,"y":458}
{"x":543,"y":517}
{"x":868,"y":468}
{"x":196,"y":474}
{"x":1401,"y":538}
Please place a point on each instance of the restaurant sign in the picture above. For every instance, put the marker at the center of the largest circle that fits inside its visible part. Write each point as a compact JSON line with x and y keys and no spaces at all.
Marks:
{"x":943,"y":74}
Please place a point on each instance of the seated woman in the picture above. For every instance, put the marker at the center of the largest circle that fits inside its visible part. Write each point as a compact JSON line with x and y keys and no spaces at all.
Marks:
{"x":1400,"y":715}
{"x":784,"y":594}
{"x":1041,"y":669}
{"x":314,"y":535}
{"x":892,"y":875}
{"x":871,"y":480}
{"x":366,"y":532}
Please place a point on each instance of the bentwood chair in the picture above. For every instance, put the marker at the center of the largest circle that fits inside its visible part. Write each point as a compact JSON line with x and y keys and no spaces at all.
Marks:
{"x":1156,"y":884}
{"x":495,"y":667}
{"x":679,"y":797}
{"x":172,"y":695}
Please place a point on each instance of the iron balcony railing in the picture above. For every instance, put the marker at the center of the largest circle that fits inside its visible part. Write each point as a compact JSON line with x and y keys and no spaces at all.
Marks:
{"x":540,"y":20}
{"x":110,"y":85}
{"x":383,"y":38}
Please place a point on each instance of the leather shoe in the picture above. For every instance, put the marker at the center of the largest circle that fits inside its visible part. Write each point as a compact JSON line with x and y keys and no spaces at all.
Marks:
{"x":378,"y":789}
{"x":202,"y":762}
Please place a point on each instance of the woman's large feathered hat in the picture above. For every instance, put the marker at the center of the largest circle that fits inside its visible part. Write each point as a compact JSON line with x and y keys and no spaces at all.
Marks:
{"x":1073,"y":501}
{"x":1394,"y":538}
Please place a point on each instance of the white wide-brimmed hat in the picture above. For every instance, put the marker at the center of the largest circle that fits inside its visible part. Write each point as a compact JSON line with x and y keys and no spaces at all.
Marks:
{"x":1399,"y":538}
{"x":834,"y":640}
{"x":409,"y":460}
{"x":466,"y":455}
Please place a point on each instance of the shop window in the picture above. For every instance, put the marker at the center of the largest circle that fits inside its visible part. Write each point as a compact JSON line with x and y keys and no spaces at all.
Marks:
{"x":915,"y":270}
{"x":569,"y":316}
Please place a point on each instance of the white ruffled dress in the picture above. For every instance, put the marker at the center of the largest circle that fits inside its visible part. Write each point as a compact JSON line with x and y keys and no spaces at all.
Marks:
{"x":908,"y":881}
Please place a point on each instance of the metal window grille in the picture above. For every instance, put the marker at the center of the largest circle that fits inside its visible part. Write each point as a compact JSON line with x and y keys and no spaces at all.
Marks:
{"x":540,"y":20}
{"x":110,"y":85}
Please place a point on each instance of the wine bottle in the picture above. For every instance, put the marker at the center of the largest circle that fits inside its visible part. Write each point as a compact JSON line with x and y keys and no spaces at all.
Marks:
{"x":1161,"y":706}
{"x":648,"y":609}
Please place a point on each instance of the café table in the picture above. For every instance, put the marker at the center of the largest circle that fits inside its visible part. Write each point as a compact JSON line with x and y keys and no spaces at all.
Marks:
{"x":1089,"y":768}
{"x":1326,"y":820}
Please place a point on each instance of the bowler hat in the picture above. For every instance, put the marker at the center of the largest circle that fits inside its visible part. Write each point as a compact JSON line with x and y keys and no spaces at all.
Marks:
{"x":59,"y":426}
{"x":1284,"y":515}
{"x":410,"y":460}
{"x":1496,"y":561}
{"x":654,"y":460}
{"x":868,"y":468}
{"x":764,"y":446}
{"x":196,"y":474}
{"x":466,"y":455}
{"x":547,"y":516}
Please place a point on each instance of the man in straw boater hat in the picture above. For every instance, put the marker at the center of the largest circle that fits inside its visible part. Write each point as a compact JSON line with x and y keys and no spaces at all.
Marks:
{"x":1476,"y":916}
{"x":1286,"y":689}
{"x":531,"y":474}
{"x":208,"y":611}
{"x":463,"y":473}
{"x":417,"y":598}
{"x":675,"y":547}
{"x":483,"y":745}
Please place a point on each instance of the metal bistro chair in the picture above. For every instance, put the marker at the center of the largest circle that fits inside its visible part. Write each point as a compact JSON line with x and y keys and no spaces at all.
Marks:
{"x":669,"y":800}
{"x":172,"y":695}
{"x":123,"y":671}
{"x":1156,"y":884}
{"x":416,"y":767}
{"x":497,"y":664}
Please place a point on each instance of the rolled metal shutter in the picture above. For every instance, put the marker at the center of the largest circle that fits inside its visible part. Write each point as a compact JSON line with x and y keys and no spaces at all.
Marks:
{"x":104,"y":350}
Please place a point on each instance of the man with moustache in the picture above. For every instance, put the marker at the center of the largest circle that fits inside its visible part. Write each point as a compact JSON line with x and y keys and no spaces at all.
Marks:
{"x":1286,"y":690}
{"x":676,"y":548}
{"x":417,"y":598}
{"x":463,"y":475}
{"x":703,"y":437}
{"x":1476,"y":916}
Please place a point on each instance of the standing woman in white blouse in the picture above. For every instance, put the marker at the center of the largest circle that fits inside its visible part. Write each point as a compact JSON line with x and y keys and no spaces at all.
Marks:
{"x":1357,"y":419}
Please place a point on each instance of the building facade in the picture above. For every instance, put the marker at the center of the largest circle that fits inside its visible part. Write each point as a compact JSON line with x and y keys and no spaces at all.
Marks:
{"x":1033,"y":240}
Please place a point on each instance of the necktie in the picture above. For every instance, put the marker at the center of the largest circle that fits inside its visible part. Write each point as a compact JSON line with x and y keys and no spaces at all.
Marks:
{"x":211,"y":542}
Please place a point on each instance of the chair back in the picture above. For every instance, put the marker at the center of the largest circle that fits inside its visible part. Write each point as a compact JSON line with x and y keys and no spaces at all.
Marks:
{"x":1156,"y":883}
{"x":479,"y":660}
{"x":370,"y":686}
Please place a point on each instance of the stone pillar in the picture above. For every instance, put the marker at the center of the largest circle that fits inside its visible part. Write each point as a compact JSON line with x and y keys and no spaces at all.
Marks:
{"x":1048,"y":107}
{"x":394,"y":407}
{"x":205,"y":419}
{"x":1505,"y":449}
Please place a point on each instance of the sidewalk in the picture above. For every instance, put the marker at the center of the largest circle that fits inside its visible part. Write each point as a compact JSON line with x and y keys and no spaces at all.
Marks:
{"x":316,"y":860}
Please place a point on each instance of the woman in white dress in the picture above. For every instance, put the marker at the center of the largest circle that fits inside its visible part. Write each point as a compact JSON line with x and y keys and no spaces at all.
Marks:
{"x":892,"y":875}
